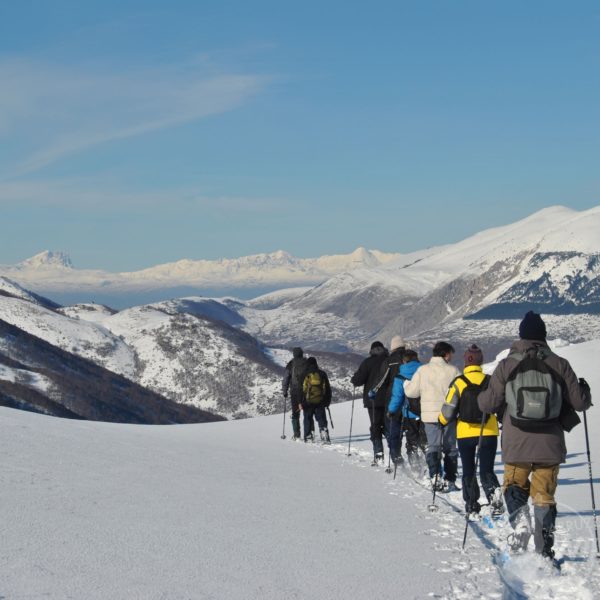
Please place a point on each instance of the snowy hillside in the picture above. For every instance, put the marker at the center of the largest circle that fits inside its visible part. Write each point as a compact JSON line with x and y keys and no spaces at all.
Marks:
{"x":52,"y":273}
{"x":40,"y":377}
{"x":83,"y":338}
{"x":186,"y":350}
{"x":549,"y":262}
{"x":229,"y":510}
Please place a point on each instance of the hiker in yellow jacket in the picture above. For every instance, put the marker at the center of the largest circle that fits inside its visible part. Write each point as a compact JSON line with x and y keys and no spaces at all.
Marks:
{"x":461,"y":405}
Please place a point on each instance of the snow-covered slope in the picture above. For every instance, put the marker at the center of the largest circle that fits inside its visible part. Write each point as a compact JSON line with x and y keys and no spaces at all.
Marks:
{"x":229,"y":510}
{"x":40,"y":377}
{"x":8,"y":287}
{"x":87,"y":339}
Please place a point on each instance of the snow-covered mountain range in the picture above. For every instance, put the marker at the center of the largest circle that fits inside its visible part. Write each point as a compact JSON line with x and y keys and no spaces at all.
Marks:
{"x":52,"y":273}
{"x":225,"y":354}
{"x":549,"y":262}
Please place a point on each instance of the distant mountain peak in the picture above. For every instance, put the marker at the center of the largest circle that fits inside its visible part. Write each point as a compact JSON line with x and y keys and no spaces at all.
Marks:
{"x":49,"y":258}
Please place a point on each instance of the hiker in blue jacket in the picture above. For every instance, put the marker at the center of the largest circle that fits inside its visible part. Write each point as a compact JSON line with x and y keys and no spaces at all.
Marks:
{"x":405,"y":414}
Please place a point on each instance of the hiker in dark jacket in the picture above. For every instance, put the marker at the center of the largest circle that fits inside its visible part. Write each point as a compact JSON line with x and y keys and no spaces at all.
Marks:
{"x":538,"y":448}
{"x":368,"y":375}
{"x":316,"y":398}
{"x":292,"y":383}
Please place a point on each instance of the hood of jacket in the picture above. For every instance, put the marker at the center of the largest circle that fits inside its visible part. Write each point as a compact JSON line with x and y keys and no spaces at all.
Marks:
{"x":408,"y":369}
{"x":524,"y":345}
{"x":378,"y":351}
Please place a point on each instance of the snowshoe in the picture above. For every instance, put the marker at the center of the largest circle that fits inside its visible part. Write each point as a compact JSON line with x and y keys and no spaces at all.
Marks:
{"x":497,"y":503}
{"x":377,"y":460}
{"x":519,"y":538}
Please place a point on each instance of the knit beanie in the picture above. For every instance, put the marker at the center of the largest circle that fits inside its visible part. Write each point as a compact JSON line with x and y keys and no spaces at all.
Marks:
{"x":376,"y":345}
{"x":473,"y":355}
{"x":297,"y":352}
{"x":397,"y":342}
{"x":532,"y":327}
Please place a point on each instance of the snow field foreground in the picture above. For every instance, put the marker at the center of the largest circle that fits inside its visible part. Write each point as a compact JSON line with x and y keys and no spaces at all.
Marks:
{"x":96,"y":510}
{"x":229,"y":510}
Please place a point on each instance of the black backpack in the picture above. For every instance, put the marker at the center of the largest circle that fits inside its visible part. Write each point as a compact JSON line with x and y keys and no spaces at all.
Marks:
{"x":468,"y":409}
{"x":298,"y":370}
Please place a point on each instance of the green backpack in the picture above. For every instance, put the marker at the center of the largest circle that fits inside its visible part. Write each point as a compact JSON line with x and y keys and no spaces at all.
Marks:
{"x":314,"y":388}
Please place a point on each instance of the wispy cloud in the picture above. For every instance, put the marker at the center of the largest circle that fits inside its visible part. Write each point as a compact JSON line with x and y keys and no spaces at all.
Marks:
{"x":97,"y":197}
{"x":48,"y":112}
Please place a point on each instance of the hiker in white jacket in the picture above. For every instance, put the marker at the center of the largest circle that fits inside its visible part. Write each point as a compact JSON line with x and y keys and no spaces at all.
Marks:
{"x":430,"y":383}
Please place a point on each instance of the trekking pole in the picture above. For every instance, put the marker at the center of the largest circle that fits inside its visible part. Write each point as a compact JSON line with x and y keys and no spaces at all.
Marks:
{"x":474,"y":480}
{"x":587,"y":445}
{"x":284,"y":409}
{"x":432,"y":507}
{"x":330,"y":419}
{"x":388,"y":469}
{"x":351,"y":419}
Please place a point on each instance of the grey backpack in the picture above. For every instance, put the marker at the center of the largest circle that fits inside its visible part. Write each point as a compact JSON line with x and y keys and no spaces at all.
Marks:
{"x":534,"y":390}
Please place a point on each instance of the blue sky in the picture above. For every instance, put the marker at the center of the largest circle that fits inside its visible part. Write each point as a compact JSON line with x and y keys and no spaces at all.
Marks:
{"x":138,"y":132}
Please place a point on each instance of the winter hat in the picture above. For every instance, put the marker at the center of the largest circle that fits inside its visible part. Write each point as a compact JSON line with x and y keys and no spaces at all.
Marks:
{"x":473,"y":355}
{"x":532,"y":327}
{"x":397,"y":342}
{"x":376,"y":345}
{"x":311,"y":362}
{"x":297,"y":352}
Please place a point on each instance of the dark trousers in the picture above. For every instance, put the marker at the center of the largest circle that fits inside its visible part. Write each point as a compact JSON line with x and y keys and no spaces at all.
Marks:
{"x":295,"y":416}
{"x":467,"y":448}
{"x":378,"y":427}
{"x":394,"y":437}
{"x":414,"y":433}
{"x":317,"y":412}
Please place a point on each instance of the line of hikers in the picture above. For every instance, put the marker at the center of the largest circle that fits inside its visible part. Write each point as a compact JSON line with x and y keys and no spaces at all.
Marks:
{"x":442,"y":413}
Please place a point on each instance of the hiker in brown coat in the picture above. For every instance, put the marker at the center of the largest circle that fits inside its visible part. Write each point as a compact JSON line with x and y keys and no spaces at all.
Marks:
{"x":532,"y":378}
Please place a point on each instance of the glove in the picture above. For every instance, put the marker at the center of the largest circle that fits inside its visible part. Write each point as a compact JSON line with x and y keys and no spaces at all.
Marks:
{"x":391,"y":415}
{"x":372,"y":394}
{"x":285,"y":395}
{"x":586,"y":392}
{"x":442,"y":425}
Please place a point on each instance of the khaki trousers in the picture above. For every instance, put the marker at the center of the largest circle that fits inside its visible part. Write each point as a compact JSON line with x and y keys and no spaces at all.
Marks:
{"x":541,"y":488}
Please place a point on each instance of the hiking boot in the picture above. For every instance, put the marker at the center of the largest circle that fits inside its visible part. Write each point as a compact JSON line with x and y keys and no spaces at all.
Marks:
{"x":473,"y":508}
{"x":398,"y":460}
{"x":295,"y":438}
{"x":309,"y":438}
{"x":325,"y":436}
{"x":450,"y":486}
